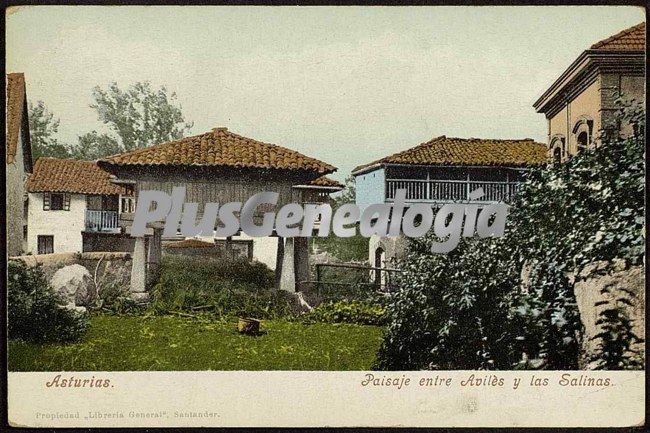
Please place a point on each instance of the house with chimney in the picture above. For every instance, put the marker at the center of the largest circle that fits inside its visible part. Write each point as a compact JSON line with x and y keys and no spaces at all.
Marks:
{"x":220,"y":166}
{"x":18,"y":158}
{"x":580,"y":106}
{"x":444,"y":170}
{"x":74,"y":207}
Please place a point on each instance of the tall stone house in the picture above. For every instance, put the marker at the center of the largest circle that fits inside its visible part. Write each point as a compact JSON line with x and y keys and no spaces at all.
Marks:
{"x":18,"y":164}
{"x":74,"y":207}
{"x":444,"y":170}
{"x":580,"y":105}
{"x":220,"y":166}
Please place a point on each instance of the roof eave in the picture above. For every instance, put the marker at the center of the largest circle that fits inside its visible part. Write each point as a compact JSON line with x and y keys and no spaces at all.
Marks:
{"x":587,"y":59}
{"x":107,"y":165}
{"x":367,"y":169}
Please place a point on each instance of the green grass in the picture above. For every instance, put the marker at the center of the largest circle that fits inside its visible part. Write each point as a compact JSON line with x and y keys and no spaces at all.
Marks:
{"x":139,"y":343}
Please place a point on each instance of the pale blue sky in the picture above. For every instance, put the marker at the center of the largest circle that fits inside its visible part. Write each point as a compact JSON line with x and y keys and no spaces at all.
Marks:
{"x":346,"y":85}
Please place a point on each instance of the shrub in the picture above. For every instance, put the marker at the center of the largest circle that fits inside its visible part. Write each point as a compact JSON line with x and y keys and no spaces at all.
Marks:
{"x":34,"y":310}
{"x":469,"y":310}
{"x":115,"y":298}
{"x":361,"y":313}
{"x":223,"y":287}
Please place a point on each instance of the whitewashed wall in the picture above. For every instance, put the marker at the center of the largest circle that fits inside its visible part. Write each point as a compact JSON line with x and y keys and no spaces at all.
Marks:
{"x":65,"y":226}
{"x":265,"y":249}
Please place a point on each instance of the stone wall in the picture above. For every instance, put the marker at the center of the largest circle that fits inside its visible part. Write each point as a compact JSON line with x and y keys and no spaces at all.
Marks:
{"x":105,"y":268}
{"x":588,"y":291}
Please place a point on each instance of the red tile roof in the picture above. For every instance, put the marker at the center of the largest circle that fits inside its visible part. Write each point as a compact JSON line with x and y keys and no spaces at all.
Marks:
{"x":632,"y":39}
{"x":326,"y":181}
{"x":73,"y":176}
{"x":220,"y":147}
{"x":468,"y":152}
{"x":15,"y":109}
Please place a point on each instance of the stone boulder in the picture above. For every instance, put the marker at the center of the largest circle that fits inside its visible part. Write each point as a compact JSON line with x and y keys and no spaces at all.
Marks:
{"x":74,"y":284}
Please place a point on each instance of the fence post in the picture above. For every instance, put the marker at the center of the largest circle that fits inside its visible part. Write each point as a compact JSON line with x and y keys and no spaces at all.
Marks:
{"x":318,"y":266}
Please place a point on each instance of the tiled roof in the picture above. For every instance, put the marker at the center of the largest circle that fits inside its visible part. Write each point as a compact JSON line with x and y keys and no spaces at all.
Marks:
{"x":326,"y":181}
{"x":220,"y":147}
{"x":190,"y":243}
{"x":15,"y":109}
{"x":632,"y":39}
{"x":468,"y":152}
{"x":73,"y":176}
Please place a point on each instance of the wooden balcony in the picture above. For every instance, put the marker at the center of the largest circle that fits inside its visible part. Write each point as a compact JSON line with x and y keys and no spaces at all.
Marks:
{"x":449,"y":191}
{"x":102,"y":221}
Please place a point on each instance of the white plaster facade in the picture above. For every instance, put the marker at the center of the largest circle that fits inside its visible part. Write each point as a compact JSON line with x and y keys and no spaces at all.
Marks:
{"x":65,"y":225}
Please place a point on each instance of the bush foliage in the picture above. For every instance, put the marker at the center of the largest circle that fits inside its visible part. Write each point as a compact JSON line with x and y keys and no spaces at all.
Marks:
{"x":468,"y":309}
{"x":215,"y":285}
{"x":34,"y":311}
{"x":357,"y":312}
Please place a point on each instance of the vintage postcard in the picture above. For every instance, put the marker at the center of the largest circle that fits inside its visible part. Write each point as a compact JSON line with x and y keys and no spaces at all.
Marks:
{"x":223,"y":216}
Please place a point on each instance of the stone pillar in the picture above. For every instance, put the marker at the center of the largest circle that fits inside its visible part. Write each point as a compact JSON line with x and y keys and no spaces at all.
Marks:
{"x":279,"y":258}
{"x":139,"y":268}
{"x":155,"y":254}
{"x":288,"y":273}
{"x":301,"y":261}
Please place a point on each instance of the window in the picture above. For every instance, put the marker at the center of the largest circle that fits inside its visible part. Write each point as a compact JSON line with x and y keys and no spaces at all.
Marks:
{"x":94,"y":202}
{"x":557,"y":149}
{"x":45,"y":244}
{"x":127,"y":205}
{"x":582,"y":131}
{"x":583,"y":141}
{"x":110,"y":203}
{"x":56,"y":201}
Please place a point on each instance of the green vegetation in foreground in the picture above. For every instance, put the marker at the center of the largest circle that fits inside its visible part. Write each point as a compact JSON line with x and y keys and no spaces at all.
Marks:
{"x":132,"y":343}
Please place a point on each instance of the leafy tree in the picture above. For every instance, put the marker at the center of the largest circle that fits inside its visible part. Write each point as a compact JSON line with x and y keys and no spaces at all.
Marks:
{"x":43,"y":128}
{"x":349,"y":193}
{"x":470,"y":309}
{"x":354,"y":248}
{"x":93,"y":145}
{"x":140,"y":115}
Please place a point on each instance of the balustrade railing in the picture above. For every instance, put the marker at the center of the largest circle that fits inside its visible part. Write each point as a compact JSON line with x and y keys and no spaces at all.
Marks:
{"x":443,"y":191}
{"x":101,"y":220}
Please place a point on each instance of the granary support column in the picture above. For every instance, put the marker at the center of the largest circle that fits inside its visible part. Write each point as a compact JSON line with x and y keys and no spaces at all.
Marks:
{"x":301,"y":261}
{"x":279,"y":258}
{"x":288,"y":273}
{"x":155,"y":254}
{"x":139,"y":267}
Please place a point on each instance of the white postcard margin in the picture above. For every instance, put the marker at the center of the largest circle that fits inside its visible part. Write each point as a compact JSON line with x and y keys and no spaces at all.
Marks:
{"x":336,"y":399}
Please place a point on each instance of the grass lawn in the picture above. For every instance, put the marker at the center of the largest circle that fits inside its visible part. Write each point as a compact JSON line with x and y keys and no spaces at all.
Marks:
{"x":137,"y":343}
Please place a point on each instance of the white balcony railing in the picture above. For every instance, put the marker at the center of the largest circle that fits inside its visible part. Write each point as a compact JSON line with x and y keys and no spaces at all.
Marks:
{"x":446,"y":191}
{"x":101,"y":220}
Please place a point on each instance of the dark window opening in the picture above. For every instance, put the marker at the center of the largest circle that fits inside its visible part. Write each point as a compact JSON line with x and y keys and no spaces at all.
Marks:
{"x":56,"y":202}
{"x":45,"y":244}
{"x":557,"y":155}
{"x":583,"y":140}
